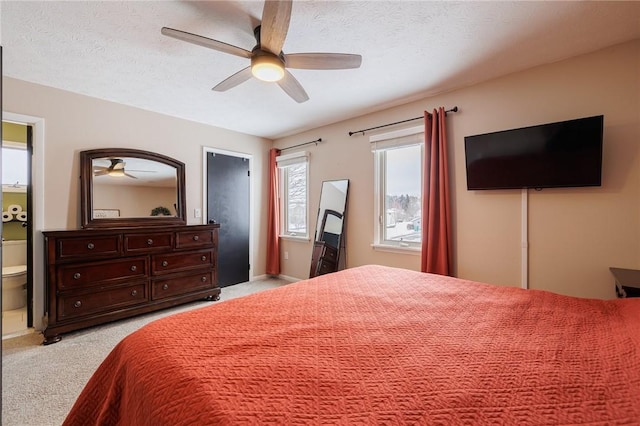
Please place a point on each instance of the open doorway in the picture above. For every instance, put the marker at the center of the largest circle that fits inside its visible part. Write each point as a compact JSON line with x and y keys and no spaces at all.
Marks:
{"x":17,"y":230}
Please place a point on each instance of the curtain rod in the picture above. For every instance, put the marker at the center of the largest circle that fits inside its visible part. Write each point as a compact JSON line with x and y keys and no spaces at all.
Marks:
{"x":317,"y":141}
{"x":454,"y":109}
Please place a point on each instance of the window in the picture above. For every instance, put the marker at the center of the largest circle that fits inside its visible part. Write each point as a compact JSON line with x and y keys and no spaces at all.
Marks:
{"x":294,"y":195}
{"x":14,"y":167}
{"x":398,"y":174}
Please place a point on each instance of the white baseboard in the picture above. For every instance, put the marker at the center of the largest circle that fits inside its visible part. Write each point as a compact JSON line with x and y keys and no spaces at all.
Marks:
{"x":282,"y":277}
{"x":260,"y":277}
{"x":290,"y":279}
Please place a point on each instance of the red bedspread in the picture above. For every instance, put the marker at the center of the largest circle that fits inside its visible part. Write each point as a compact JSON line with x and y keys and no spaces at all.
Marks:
{"x":377,"y":345}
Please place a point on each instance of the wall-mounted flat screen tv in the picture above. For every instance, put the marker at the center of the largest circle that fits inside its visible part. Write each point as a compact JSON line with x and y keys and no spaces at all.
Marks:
{"x":554,"y":155}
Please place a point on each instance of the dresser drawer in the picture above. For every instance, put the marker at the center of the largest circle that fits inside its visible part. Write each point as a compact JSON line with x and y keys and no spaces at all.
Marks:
{"x":87,"y":274}
{"x":78,"y":305}
{"x":146,"y":243}
{"x":168,"y":287}
{"x":173,"y":262}
{"x":196,"y":238}
{"x":107,"y":245}
{"x":330,"y":253}
{"x":326,"y":267}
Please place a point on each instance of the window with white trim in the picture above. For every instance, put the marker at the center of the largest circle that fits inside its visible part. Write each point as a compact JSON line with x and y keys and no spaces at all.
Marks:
{"x":398,"y":180}
{"x":294,"y":178}
{"x":14,"y":167}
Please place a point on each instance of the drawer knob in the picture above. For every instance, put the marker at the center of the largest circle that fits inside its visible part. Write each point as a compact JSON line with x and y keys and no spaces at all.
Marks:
{"x":165,"y":287}
{"x":165,"y":263}
{"x":203,"y":279}
{"x":134,"y":268}
{"x":90,"y":246}
{"x":149,"y":242}
{"x":203,"y":258}
{"x":77,"y":304}
{"x":76,"y":276}
{"x":134,"y":292}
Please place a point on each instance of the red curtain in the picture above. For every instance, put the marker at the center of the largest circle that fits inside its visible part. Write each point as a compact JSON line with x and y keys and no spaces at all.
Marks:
{"x":273,"y":226}
{"x":437,"y":254}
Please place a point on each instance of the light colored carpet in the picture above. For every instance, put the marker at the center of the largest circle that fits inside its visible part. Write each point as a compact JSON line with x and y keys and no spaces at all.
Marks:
{"x":41,"y":383}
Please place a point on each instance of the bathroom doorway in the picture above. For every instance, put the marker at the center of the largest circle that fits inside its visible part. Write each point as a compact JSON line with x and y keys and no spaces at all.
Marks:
{"x":17,"y":233}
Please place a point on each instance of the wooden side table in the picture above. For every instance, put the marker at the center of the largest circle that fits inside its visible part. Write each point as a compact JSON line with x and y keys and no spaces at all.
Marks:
{"x":627,"y":282}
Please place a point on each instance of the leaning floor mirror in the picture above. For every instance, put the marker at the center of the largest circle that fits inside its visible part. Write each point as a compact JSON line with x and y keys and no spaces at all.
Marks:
{"x":329,"y":254}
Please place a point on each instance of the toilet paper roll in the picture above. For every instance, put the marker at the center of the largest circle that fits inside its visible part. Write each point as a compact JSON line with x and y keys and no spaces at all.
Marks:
{"x":22,"y":216}
{"x":14,"y":208}
{"x":7,"y":217}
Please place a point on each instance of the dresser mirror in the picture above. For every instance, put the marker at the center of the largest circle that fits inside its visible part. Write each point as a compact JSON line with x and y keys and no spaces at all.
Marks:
{"x":329,"y":242}
{"x":128,"y":187}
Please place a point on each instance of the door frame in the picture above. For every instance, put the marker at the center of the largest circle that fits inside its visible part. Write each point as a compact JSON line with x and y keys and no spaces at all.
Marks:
{"x":37,"y":214}
{"x":205,"y":193}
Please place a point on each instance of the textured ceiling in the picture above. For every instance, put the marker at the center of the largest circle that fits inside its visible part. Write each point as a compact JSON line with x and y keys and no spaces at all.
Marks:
{"x":113,"y":50}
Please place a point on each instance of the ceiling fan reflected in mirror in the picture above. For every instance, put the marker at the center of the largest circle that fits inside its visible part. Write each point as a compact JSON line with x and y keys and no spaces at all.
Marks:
{"x":116,"y":169}
{"x":268,"y":61}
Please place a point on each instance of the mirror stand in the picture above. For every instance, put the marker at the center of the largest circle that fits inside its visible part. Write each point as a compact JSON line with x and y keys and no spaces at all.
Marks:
{"x":329,"y":246}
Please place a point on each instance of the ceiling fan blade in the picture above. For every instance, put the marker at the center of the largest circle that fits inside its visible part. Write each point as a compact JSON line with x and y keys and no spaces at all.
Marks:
{"x":275,"y":24}
{"x":101,"y":173}
{"x":99,"y":168}
{"x":206,"y":42}
{"x":231,"y":82}
{"x":293,"y":88}
{"x":322,"y":61}
{"x":131,"y":176}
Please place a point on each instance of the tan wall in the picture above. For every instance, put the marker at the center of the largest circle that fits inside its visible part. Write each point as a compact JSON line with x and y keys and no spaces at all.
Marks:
{"x":575,"y":235}
{"x":73,"y":123}
{"x":133,"y":200}
{"x":67,"y":123}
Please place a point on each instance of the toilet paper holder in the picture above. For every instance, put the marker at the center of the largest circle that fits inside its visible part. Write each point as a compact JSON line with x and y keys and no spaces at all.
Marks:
{"x":14,"y":213}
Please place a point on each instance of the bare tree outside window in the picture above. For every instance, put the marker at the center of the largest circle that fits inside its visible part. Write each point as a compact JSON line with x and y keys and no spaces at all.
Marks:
{"x":403,"y":194}
{"x":293,"y":196}
{"x":296,"y":184}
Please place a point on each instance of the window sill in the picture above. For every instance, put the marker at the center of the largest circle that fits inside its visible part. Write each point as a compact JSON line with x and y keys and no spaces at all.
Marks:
{"x":397,"y":249}
{"x":296,"y":238}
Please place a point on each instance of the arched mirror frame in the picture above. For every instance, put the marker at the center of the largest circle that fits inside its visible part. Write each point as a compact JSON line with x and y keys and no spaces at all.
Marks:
{"x":86,"y":190}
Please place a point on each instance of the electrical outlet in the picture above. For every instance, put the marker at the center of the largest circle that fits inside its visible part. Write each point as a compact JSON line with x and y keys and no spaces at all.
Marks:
{"x":197,"y":213}
{"x":286,"y":255}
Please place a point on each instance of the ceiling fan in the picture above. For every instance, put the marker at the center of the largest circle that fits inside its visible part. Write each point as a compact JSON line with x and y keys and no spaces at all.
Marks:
{"x":116,"y":169}
{"x":268,"y":61}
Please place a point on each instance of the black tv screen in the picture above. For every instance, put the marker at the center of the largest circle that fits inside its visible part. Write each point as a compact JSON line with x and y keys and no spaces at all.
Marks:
{"x":562,"y":154}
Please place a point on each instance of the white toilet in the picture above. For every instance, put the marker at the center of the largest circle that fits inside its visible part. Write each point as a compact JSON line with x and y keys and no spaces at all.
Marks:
{"x":14,"y":274}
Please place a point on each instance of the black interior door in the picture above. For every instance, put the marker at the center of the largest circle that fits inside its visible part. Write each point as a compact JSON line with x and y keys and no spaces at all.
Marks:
{"x":228,"y":205}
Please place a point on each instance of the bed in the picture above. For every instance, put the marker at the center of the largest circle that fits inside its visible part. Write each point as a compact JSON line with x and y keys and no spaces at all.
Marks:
{"x":377,"y":345}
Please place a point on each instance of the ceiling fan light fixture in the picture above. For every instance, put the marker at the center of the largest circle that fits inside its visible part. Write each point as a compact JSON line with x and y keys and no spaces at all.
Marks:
{"x":116,"y":173}
{"x":268,"y":62}
{"x":267,"y":67}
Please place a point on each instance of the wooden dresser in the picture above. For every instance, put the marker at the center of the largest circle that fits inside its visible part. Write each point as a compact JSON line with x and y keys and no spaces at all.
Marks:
{"x":96,"y":276}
